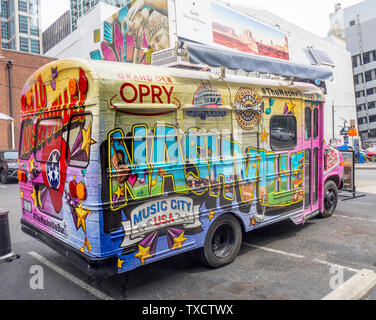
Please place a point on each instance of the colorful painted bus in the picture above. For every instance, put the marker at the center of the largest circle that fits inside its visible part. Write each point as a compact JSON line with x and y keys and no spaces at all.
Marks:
{"x":121,"y":165}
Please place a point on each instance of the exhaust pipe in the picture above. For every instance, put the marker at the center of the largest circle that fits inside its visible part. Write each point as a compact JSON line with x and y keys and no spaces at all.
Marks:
{"x":6,"y":253}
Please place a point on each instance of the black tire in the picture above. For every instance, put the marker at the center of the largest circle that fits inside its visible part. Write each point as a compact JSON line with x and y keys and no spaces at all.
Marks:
{"x":330,"y":199}
{"x":222,"y":242}
{"x":3,"y":177}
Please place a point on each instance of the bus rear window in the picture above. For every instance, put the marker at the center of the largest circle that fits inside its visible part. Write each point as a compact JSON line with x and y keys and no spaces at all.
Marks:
{"x":27,"y":135}
{"x":48,"y":140}
{"x":80,"y":141}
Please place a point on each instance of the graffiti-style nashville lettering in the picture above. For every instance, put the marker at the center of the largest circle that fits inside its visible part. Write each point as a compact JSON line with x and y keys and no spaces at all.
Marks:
{"x":196,"y":162}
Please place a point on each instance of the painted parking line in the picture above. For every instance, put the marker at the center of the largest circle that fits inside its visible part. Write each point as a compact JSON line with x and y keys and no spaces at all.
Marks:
{"x":298,"y":256}
{"x":355,"y":218}
{"x":95,"y":292}
{"x":2,"y":187}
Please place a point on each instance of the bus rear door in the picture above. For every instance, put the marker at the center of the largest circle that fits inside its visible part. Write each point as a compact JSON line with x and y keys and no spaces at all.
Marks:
{"x":313,"y":157}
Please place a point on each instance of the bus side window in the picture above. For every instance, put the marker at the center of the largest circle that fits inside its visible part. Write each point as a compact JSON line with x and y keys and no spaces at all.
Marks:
{"x":308,"y":123}
{"x":49,"y":140}
{"x":26,"y":141}
{"x":315,"y":123}
{"x":80,"y":140}
{"x":283,"y":132}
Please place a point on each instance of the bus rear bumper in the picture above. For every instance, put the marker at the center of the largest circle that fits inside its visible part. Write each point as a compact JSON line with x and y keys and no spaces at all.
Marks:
{"x":96,"y":268}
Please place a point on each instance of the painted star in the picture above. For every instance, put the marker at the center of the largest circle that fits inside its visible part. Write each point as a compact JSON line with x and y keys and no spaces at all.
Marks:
{"x":120,"y":263}
{"x":119,"y":192}
{"x":178,"y":241}
{"x":88,"y":244}
{"x":291,"y":107}
{"x":87,"y":141}
{"x":31,"y":164}
{"x":143,"y":253}
{"x":264,"y":136}
{"x":253,"y":221}
{"x":211,"y":215}
{"x":81,"y":217}
{"x":34,"y":197}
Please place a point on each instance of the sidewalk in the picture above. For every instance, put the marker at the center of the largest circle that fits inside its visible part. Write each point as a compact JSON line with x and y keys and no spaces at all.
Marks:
{"x":366,"y":166}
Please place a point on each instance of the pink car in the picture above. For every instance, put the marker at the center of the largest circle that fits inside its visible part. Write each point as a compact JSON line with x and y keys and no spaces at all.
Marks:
{"x":371,"y":153}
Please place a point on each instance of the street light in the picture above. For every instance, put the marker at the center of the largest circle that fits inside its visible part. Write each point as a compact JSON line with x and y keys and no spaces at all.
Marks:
{"x":7,"y":118}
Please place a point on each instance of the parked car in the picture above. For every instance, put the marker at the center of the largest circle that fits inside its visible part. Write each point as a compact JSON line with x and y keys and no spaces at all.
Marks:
{"x":371,"y":153}
{"x":8,"y":165}
{"x":282,"y":134}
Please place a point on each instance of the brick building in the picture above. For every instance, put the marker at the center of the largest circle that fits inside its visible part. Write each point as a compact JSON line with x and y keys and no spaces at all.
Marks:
{"x":15,"y":68}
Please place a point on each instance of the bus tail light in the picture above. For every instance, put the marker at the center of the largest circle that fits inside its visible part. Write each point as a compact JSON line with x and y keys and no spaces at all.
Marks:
{"x":83,"y":84}
{"x":81,"y":191}
{"x":21,"y":176}
{"x":73,"y":189}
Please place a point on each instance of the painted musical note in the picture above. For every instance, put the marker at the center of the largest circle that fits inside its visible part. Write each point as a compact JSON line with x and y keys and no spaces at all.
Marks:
{"x":269,"y":109}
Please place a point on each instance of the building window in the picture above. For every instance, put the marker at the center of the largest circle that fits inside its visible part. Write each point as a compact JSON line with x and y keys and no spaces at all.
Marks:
{"x":5,"y":45}
{"x":352,"y":23}
{"x":372,"y":119}
{"x":35,"y":47}
{"x":355,"y":61}
{"x":283,"y":132}
{"x":366,"y":58}
{"x":372,"y":105}
{"x":22,"y":5}
{"x":371,"y":91}
{"x":34,"y":27}
{"x":4,"y":9}
{"x":359,"y":94}
{"x":24,"y":44}
{"x":4,"y":31}
{"x":24,"y":25}
{"x":368,"y":75}
{"x":358,"y":78}
{"x":33,"y":7}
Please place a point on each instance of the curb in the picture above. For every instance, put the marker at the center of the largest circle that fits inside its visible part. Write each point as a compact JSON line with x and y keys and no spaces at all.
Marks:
{"x":365,"y":168}
{"x":355,"y":288}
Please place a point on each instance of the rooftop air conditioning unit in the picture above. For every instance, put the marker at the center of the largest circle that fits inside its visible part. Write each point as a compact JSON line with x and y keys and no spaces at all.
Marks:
{"x":175,"y":58}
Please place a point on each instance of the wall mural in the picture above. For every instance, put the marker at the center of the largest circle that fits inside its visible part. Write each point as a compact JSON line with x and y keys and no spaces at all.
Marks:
{"x":135,"y":32}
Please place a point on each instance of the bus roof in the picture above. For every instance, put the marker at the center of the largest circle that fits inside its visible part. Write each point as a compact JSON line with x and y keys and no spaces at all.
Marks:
{"x":76,"y":81}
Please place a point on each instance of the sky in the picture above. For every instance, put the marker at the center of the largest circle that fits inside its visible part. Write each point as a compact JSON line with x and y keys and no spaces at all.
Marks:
{"x":310,"y":15}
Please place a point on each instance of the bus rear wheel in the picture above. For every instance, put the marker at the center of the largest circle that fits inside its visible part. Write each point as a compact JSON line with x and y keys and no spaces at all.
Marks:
{"x":223,"y":242}
{"x":330,"y":200}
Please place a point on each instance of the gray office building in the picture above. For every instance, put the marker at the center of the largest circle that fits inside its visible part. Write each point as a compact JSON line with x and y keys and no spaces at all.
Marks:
{"x":56,"y":32}
{"x":20,"y":25}
{"x":357,"y":25}
{"x":80,"y":7}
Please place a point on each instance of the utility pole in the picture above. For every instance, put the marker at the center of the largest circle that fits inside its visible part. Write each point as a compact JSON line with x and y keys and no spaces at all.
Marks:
{"x":333,"y":120}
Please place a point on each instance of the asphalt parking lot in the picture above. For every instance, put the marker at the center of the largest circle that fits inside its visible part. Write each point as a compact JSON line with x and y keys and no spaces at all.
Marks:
{"x":279,"y":262}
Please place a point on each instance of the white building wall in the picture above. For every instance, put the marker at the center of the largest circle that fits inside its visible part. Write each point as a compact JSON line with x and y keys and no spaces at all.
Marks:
{"x":80,"y":42}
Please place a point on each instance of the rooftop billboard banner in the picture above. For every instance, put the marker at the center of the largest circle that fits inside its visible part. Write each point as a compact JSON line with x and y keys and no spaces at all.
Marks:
{"x":212,"y":24}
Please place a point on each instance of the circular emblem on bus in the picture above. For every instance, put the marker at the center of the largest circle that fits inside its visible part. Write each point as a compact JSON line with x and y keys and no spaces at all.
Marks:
{"x":248,"y":108}
{"x":53,"y":169}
